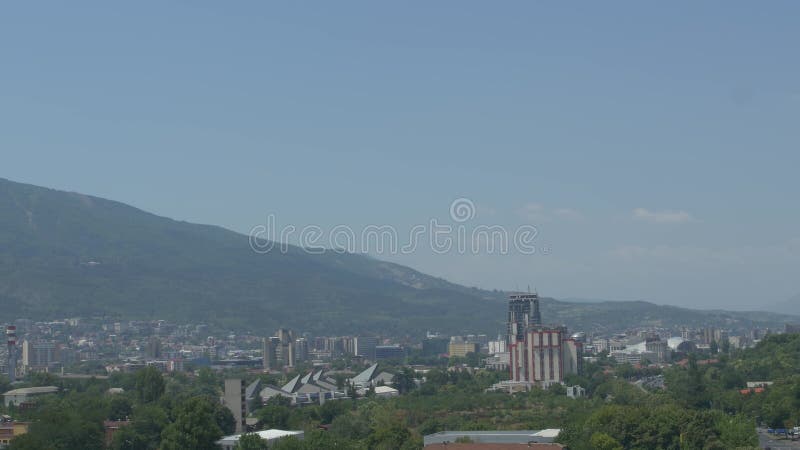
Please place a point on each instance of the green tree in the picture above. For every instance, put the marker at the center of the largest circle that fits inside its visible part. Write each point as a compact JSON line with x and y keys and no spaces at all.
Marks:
{"x":30,"y":441}
{"x":404,"y":380}
{"x":149,"y":384}
{"x":602,"y":441}
{"x":251,"y":441}
{"x":5,"y":384}
{"x":144,"y":432}
{"x":473,"y":359}
{"x":120,"y":408}
{"x":224,"y":419}
{"x":194,"y":427}
{"x":273,"y":415}
{"x":63,"y":424}
{"x":350,"y":426}
{"x":332,"y":409}
{"x":389,"y":437}
{"x":737,"y":431}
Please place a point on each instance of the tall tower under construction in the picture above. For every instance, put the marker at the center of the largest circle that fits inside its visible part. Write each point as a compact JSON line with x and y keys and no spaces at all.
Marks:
{"x":11,"y":340}
{"x":523,"y":311}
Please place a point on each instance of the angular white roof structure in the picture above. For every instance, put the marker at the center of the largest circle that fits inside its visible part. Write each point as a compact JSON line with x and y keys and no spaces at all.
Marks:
{"x":292,"y":385}
{"x":366,"y":376}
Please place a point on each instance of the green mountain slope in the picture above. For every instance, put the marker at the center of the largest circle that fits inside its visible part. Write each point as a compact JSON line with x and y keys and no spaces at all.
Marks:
{"x":71,"y":254}
{"x":67,"y":254}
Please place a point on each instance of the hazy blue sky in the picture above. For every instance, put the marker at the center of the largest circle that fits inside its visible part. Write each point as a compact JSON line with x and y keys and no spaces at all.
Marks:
{"x":654,"y":145}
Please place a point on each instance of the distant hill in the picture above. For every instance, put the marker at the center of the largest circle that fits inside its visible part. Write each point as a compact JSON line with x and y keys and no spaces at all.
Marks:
{"x":612,"y":316}
{"x":67,"y":254}
{"x":583,"y":300}
{"x":789,"y":306}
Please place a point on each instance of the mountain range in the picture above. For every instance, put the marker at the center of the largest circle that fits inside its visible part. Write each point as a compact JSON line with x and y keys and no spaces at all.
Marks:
{"x":790,"y":306}
{"x":66,"y":254}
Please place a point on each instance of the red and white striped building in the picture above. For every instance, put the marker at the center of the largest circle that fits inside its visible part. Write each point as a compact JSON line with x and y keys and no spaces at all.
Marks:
{"x":544,"y":356}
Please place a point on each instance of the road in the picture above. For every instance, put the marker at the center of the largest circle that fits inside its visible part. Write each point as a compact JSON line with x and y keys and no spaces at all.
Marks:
{"x":766,"y":440}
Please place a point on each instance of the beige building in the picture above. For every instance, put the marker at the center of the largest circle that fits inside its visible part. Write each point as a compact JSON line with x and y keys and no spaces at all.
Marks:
{"x":461,"y":348}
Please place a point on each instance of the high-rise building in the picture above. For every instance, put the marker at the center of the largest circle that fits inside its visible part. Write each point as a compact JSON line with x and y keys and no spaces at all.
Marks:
{"x":434,"y":346}
{"x":40,"y":355}
{"x":236,"y":400}
{"x":337,"y":346}
{"x":660,"y":350}
{"x":539,"y":354}
{"x":365,"y":346}
{"x":349,"y":345}
{"x":383,"y":352}
{"x":300,"y":350}
{"x":285,"y":351}
{"x":545,"y":355}
{"x":11,"y":340}
{"x":285,"y":335}
{"x":153,"y":349}
{"x":498,"y":346}
{"x":268,"y":351}
{"x":523,"y":311}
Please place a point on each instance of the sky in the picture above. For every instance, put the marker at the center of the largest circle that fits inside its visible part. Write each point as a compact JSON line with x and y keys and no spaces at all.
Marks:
{"x":653,"y":146}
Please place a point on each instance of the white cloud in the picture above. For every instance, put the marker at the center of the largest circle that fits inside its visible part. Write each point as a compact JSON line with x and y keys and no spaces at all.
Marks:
{"x":662,"y":216}
{"x":569,"y":213}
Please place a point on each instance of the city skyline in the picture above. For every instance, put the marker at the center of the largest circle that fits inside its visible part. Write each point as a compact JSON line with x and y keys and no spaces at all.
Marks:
{"x":420,"y":225}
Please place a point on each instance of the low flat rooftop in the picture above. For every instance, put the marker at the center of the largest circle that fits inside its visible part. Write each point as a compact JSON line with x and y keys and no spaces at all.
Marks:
{"x":33,"y":390}
{"x":495,"y":437}
{"x":264,"y":434}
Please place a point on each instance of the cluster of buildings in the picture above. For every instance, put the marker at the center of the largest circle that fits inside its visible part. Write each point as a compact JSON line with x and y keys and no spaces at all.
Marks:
{"x":284,"y":350}
{"x":315,"y":387}
{"x":129,"y":345}
{"x":540,"y":355}
{"x":663,"y":346}
{"x":532,"y":351}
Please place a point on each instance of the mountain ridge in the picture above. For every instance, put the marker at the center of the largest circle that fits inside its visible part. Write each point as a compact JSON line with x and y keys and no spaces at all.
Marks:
{"x":66,"y":253}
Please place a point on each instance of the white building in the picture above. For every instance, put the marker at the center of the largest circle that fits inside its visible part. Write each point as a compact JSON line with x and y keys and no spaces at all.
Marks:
{"x":25,"y":395}
{"x":229,"y":442}
{"x":575,"y":391}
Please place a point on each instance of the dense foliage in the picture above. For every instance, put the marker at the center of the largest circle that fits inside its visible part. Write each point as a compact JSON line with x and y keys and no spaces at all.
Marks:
{"x":166,"y":413}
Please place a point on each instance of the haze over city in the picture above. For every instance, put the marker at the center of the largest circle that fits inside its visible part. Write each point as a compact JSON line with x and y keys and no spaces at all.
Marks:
{"x":655,"y":153}
{"x":451,"y":225}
